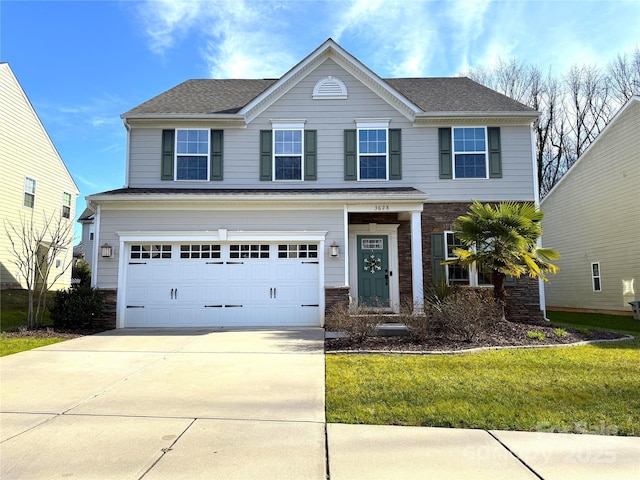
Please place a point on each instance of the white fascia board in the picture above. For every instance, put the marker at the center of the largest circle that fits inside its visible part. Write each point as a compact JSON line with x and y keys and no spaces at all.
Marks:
{"x":251,"y":201}
{"x":449,"y":118}
{"x":172,"y":116}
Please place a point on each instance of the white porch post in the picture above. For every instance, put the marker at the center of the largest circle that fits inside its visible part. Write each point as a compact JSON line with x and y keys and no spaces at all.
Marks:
{"x":416,"y":260}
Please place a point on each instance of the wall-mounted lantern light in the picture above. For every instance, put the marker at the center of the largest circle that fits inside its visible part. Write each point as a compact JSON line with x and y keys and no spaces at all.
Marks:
{"x":334,"y":250}
{"x":107,"y":250}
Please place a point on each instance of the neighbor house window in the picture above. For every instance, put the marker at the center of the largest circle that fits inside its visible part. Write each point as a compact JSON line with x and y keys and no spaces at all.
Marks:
{"x":372,"y":154}
{"x":287,"y":154}
{"x":66,"y":205}
{"x":470,"y":152}
{"x":192,"y":154}
{"x":29,"y":192}
{"x":595,"y":276}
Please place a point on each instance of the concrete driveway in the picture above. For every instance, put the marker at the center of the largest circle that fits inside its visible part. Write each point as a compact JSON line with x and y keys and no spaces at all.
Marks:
{"x":243,"y":404}
{"x":166,"y":404}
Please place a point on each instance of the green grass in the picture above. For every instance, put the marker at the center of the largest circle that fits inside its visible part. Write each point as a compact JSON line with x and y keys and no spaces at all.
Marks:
{"x":13,"y":309}
{"x":595,"y":321}
{"x":13,"y":315}
{"x":11,"y":345}
{"x":594,"y":388}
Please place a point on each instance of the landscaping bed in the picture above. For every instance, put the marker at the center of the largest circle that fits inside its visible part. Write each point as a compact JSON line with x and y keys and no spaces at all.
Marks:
{"x":502,"y":334}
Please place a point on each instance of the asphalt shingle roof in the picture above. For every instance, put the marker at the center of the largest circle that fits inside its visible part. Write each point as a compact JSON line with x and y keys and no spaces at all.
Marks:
{"x":229,"y":96}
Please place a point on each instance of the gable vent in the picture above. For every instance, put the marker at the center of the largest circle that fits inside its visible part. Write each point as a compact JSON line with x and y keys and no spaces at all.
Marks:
{"x":330,"y":88}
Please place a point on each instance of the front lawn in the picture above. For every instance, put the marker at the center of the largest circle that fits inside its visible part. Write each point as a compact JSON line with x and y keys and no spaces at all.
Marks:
{"x":10,"y":345}
{"x":594,"y":389}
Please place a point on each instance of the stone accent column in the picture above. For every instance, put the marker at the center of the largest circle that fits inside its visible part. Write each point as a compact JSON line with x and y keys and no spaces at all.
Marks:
{"x":108,"y":318}
{"x":336,"y":296}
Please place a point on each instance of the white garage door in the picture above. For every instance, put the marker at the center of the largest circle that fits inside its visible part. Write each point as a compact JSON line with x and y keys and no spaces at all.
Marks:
{"x":194,"y":284}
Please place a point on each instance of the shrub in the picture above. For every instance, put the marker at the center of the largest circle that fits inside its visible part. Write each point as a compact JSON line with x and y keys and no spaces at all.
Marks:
{"x":357,"y":323}
{"x":76,"y":308}
{"x":535,"y":335}
{"x":466,"y":313}
{"x":82,"y":272}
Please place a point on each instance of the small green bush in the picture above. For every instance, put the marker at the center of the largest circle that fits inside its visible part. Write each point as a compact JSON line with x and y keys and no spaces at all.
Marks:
{"x":535,"y":335}
{"x":76,"y":308}
{"x":82,"y":271}
{"x":560,"y":332}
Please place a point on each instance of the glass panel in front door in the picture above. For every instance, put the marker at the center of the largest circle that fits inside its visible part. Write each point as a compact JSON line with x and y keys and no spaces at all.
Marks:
{"x":373,"y":270}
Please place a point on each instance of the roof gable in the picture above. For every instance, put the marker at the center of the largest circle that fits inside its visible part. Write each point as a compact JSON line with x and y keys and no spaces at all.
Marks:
{"x":416,"y":98}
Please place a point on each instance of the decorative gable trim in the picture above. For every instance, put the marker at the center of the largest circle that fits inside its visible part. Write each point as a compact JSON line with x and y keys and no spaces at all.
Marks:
{"x":352,"y":65}
{"x":330,"y":88}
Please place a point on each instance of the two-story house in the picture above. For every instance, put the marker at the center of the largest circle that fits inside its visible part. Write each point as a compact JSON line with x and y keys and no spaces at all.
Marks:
{"x":35,"y":187}
{"x":265,"y":202}
{"x":592,"y":217}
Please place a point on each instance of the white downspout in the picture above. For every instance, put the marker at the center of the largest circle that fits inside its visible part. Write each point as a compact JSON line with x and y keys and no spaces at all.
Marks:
{"x":536,"y":193}
{"x":126,"y":167}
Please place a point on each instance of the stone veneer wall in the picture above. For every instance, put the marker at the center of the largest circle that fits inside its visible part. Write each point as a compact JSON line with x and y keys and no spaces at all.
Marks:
{"x":523,"y":302}
{"x":108,"y":318}
{"x":335,"y":297}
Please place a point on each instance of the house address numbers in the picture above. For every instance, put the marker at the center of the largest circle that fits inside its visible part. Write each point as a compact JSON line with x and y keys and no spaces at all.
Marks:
{"x":380,"y":208}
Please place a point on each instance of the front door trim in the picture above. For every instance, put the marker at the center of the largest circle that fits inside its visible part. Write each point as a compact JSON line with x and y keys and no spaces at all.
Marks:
{"x":390,"y":230}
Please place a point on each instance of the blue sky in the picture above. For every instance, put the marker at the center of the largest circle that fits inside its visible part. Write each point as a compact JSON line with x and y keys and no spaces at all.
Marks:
{"x":83,"y":63}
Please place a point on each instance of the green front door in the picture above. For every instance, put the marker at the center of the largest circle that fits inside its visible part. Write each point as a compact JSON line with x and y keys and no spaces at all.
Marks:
{"x":373,"y":270}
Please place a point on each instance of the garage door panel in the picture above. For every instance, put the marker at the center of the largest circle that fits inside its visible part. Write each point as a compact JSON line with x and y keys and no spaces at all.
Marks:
{"x":223,"y":291}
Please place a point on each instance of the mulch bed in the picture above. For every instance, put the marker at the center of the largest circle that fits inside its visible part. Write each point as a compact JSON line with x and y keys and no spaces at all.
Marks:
{"x":505,"y":334}
{"x":49,"y":332}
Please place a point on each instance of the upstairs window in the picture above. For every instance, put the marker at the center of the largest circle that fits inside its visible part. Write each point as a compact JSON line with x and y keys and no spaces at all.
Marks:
{"x":29,"y":192}
{"x":372,"y":154}
{"x":287,"y":157}
{"x":192,"y":154}
{"x":66,"y":205}
{"x":470,"y":152}
{"x":288,"y":152}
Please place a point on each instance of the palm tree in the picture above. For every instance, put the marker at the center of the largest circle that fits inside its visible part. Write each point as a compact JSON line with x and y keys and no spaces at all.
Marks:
{"x":504,"y":239}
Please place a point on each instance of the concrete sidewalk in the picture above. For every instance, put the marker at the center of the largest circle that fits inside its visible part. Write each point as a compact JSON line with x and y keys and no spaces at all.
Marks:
{"x":242,"y":404}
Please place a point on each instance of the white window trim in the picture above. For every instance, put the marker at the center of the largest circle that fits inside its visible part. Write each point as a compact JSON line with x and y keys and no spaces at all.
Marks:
{"x":594,"y":277}
{"x":473,"y":269}
{"x":25,"y":192}
{"x":286,"y":125}
{"x":372,"y":124}
{"x":486,"y":153}
{"x":69,"y":206}
{"x":176,"y":155}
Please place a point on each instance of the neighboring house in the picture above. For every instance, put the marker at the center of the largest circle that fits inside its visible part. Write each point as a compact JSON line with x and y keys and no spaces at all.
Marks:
{"x":266,"y":202}
{"x":592,"y":217}
{"x":34,"y":181}
{"x":87,"y":219}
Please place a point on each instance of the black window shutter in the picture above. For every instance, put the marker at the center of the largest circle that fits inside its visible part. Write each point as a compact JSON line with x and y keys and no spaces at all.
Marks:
{"x":495,"y":157}
{"x":265,"y":155}
{"x":310,"y":156}
{"x":395,"y":154}
{"x":444,"y":145}
{"x":350,"y":155}
{"x":216,"y":160}
{"x":166,"y":165}
{"x":437,"y":256}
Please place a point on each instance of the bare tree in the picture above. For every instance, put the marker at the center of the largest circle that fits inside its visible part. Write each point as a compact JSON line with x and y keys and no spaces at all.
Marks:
{"x":624,"y":76}
{"x":35,"y":249}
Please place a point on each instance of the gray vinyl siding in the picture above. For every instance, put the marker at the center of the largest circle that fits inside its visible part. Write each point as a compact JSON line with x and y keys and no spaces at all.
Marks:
{"x":113,"y":221}
{"x":593,"y":215}
{"x":330,"y":118}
